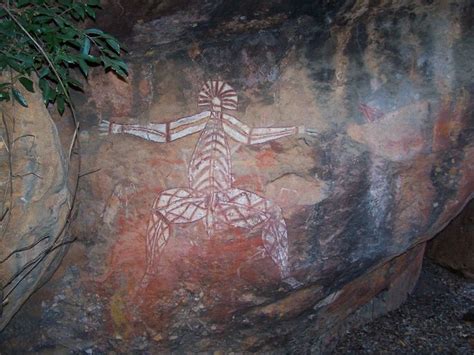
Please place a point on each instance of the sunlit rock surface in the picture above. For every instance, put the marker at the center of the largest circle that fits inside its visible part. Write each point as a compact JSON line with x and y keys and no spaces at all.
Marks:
{"x":388,"y":91}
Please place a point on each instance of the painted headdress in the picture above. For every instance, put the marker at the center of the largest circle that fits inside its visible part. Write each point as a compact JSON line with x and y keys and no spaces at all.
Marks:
{"x":217,"y":89}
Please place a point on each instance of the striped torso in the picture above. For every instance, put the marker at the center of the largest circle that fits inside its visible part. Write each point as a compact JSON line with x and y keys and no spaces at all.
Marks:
{"x":210,"y":166}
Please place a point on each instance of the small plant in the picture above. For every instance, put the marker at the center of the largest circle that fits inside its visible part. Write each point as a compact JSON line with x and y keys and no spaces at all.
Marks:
{"x":44,"y":37}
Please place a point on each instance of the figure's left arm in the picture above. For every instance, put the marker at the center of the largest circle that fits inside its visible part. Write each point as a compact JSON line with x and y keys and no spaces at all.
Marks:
{"x":244,"y":134}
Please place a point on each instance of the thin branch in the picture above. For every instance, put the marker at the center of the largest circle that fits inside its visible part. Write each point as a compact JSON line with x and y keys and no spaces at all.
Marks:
{"x":34,"y":263}
{"x":23,"y":136}
{"x":3,"y":216}
{"x":90,"y":172}
{"x":10,"y":167}
{"x":27,"y":174}
{"x":7,"y":148}
{"x":23,"y":249}
{"x":74,"y":138}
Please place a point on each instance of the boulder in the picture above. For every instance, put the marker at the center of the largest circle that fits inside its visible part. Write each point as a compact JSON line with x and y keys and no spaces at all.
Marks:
{"x":290,"y":240}
{"x":36,"y":201}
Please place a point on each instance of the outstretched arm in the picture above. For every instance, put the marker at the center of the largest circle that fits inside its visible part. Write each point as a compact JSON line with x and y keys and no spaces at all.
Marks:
{"x":159,"y":132}
{"x":244,"y":134}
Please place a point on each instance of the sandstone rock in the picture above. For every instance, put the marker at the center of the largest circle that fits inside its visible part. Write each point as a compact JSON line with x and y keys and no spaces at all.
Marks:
{"x":384,"y":91}
{"x":397,"y":135}
{"x":36,"y":201}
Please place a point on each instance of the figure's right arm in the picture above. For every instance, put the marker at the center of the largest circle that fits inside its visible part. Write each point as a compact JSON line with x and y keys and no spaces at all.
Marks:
{"x":155,"y":132}
{"x":159,"y":132}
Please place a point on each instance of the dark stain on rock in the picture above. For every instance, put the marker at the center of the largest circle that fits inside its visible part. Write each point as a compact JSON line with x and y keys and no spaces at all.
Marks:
{"x":325,"y":11}
{"x":324,"y":168}
{"x":374,"y":3}
{"x":135,"y":10}
{"x":228,"y":9}
{"x":319,"y":51}
{"x":325,"y":75}
{"x":357,"y":73}
{"x":444,"y":177}
{"x":364,"y":214}
{"x":352,"y":166}
{"x":250,"y":68}
{"x":390,"y":46}
{"x":463,"y":49}
{"x":358,"y":41}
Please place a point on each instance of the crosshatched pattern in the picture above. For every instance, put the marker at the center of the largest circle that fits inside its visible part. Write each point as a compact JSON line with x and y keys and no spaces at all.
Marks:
{"x":210,"y":196}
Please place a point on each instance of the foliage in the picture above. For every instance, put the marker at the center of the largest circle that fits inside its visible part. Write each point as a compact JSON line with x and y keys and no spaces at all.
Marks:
{"x":44,"y":37}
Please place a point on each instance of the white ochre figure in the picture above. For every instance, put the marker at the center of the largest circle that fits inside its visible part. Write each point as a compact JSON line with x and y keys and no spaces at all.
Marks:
{"x":210,"y":196}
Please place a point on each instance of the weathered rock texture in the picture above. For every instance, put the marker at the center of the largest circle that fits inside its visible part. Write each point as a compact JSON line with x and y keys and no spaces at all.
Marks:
{"x":35,"y":201}
{"x":453,"y":247}
{"x":388,"y":88}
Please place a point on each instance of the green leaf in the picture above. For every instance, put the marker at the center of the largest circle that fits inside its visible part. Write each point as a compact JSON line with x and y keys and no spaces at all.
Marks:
{"x":57,"y":26}
{"x":79,"y":9}
{"x":43,"y":10}
{"x":119,"y":67}
{"x":66,"y":59}
{"x":91,"y":58}
{"x":27,"y":84}
{"x":68,"y":33}
{"x":110,"y":53}
{"x":120,"y":72}
{"x":60,"y":102}
{"x":48,"y":94}
{"x":114,"y":44}
{"x":59,"y":21}
{"x":106,"y":62}
{"x":84,"y":67}
{"x":4,"y":96}
{"x":62,"y":70}
{"x":22,"y":3}
{"x":27,"y":60}
{"x":86,"y":46}
{"x":90,"y":12}
{"x":94,"y":31}
{"x":75,"y":83}
{"x":122,"y":65}
{"x":19,"y":97}
{"x":15,"y":65}
{"x":43,"y":72}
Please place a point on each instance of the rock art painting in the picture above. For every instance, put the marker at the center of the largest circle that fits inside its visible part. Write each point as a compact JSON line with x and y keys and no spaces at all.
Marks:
{"x":210,"y":196}
{"x":370,"y":113}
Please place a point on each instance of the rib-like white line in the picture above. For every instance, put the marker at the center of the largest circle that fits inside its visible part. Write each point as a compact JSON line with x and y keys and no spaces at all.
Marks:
{"x":236,"y":122}
{"x":237,"y":136}
{"x":189,"y":119}
{"x":187,"y":131}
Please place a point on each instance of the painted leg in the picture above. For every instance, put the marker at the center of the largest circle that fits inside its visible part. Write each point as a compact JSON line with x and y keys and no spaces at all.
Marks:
{"x":275,"y":241}
{"x":244,"y":209}
{"x":275,"y":238}
{"x":157,"y":235}
{"x":174,"y":206}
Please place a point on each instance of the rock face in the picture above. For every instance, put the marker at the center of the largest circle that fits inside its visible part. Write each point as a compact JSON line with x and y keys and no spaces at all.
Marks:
{"x":453,"y":247}
{"x":288,"y":240}
{"x":35,"y":203}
